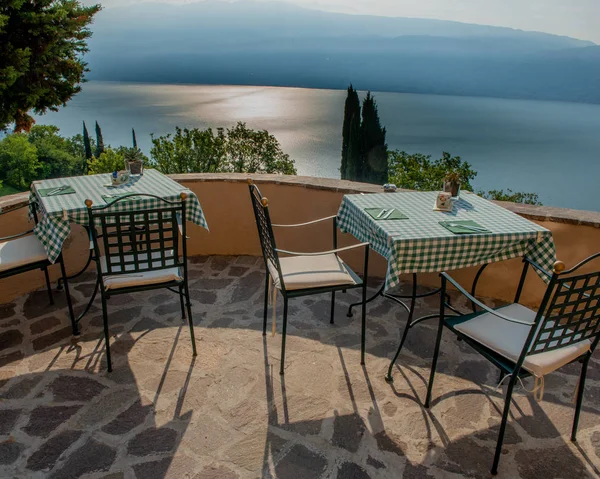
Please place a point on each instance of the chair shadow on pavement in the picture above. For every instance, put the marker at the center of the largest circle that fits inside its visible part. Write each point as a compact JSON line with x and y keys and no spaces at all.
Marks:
{"x":65,"y":423}
{"x":356,"y":445}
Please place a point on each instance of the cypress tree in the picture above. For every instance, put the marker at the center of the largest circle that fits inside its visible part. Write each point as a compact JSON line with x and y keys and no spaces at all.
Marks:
{"x":99,"y":141}
{"x":134,"y":139}
{"x":351,"y":110}
{"x":373,"y":149}
{"x":86,"y":143}
{"x":353,"y":170}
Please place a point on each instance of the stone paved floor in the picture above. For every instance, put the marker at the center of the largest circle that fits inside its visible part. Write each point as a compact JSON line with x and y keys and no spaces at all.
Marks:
{"x":229,"y":414}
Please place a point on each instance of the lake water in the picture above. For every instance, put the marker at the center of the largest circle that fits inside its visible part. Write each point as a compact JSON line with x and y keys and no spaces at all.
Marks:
{"x":551,"y":148}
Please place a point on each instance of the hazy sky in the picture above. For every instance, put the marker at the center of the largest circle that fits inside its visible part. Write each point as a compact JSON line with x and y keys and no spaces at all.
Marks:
{"x":575,"y":18}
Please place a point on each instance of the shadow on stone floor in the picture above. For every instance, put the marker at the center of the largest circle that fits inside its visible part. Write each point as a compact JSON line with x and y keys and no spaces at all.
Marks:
{"x":66,"y":424}
{"x":43,"y":375}
{"x":346,"y":446}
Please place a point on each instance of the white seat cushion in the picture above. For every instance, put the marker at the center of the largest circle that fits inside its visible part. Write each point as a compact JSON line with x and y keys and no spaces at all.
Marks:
{"x":140,"y":278}
{"x":21,"y":251}
{"x":301,"y":272}
{"x":507,"y":339}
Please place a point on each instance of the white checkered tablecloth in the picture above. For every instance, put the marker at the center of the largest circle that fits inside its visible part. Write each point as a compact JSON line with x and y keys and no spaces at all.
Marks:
{"x":56,"y":213}
{"x":420,"y":244}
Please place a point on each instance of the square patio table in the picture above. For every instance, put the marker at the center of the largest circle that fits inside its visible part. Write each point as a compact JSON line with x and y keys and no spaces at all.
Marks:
{"x":59,"y":211}
{"x":419,"y":244}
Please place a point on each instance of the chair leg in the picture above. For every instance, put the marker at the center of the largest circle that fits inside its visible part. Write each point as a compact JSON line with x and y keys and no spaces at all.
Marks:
{"x":434,"y":362}
{"x":266,"y":308}
{"x":509,"y":392}
{"x":579,"y":398}
{"x":389,"y":378}
{"x":181,"y":294}
{"x":283,"y":334}
{"x":363,"y":328}
{"x":190,"y":321}
{"x":48,"y":286}
{"x":106,"y":333}
{"x":332,"y":307}
{"x":74,"y":325}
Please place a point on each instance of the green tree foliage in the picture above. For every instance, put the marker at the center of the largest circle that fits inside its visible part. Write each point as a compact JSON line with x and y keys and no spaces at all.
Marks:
{"x":18,"y":161}
{"x":512,"y":196}
{"x":110,"y":160}
{"x":57,"y":155}
{"x":44,"y":154}
{"x":238,"y":150}
{"x":420,"y":172}
{"x":87,"y":143}
{"x":78,"y":143}
{"x":350,"y":132}
{"x":42,"y":43}
{"x":188,"y":151}
{"x":99,"y":141}
{"x":373,"y":149}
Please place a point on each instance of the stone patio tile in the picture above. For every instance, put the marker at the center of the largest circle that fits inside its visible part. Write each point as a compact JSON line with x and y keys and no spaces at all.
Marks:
{"x":49,"y":452}
{"x":301,"y":463}
{"x":228,"y":414}
{"x":44,"y":419}
{"x":93,"y":456}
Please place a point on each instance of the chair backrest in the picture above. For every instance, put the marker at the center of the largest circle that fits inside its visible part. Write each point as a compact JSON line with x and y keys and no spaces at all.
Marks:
{"x":141,"y":239}
{"x":265,"y":231}
{"x":570,"y":311}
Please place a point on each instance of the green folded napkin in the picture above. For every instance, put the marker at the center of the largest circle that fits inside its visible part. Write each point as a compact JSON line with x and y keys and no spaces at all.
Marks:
{"x":66,"y":190}
{"x":464,"y":227}
{"x":114,"y":196}
{"x":396,"y":214}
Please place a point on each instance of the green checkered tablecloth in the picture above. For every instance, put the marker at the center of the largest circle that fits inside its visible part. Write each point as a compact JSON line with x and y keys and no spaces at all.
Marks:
{"x":420,"y":244}
{"x":59,"y":211}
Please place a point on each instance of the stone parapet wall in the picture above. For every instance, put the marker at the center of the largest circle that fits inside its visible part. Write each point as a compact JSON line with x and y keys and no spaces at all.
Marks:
{"x":296,"y":199}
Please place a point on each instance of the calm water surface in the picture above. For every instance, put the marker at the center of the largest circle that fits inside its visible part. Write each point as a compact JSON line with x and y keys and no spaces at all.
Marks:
{"x":551,"y":148}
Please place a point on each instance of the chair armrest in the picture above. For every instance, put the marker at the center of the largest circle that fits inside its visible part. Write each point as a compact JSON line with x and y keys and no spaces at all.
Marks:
{"x":321,"y":253}
{"x":305,"y":224}
{"x":7,"y":238}
{"x":541,"y":270}
{"x":480,"y":304}
{"x":4,"y":211}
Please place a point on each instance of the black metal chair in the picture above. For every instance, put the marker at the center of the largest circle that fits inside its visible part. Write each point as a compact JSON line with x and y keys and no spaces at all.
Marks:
{"x":303,"y":274}
{"x":522,"y":342}
{"x":141,"y":252}
{"x":24,"y":252}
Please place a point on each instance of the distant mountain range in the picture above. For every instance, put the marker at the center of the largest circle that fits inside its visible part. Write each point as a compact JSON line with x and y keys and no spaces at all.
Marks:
{"x":252,"y":43}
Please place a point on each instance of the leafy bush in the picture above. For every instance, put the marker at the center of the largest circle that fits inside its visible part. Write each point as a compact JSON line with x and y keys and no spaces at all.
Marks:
{"x":237,"y":150}
{"x":108,"y":162}
{"x":418,"y":172}
{"x":512,"y":196}
{"x":113,"y":159}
